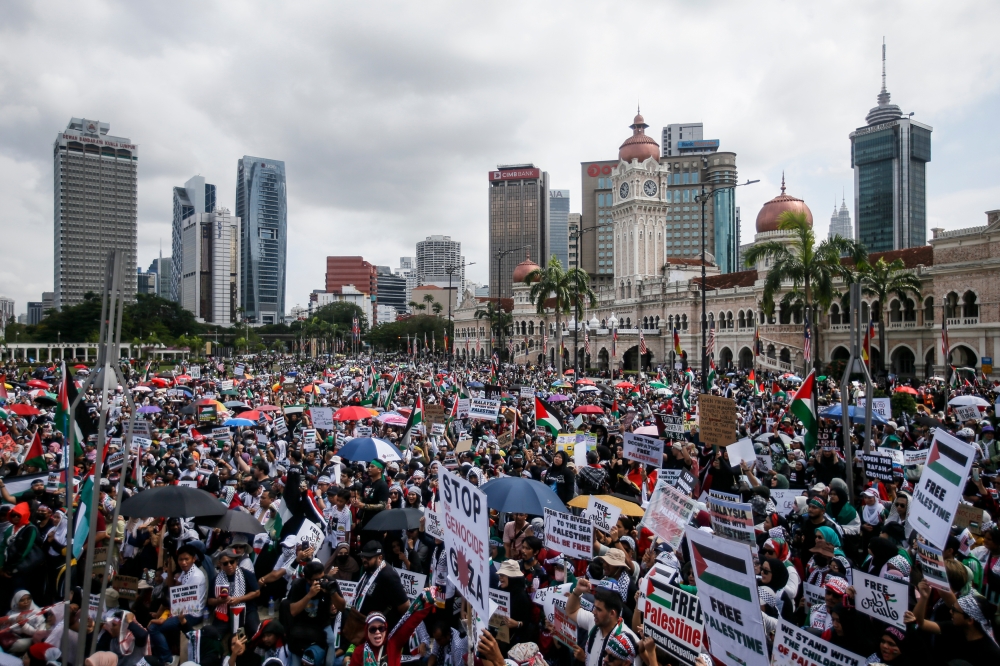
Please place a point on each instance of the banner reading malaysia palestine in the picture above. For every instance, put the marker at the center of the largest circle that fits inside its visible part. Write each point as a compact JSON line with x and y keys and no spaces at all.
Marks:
{"x":798,"y":647}
{"x":931,"y":562}
{"x":570,"y":535}
{"x":667,"y":513}
{"x":733,"y":521}
{"x":940,"y":487}
{"x":728,"y":594}
{"x":466,"y":535}
{"x":672,"y":618}
{"x":481,"y":408}
{"x":643,"y":448}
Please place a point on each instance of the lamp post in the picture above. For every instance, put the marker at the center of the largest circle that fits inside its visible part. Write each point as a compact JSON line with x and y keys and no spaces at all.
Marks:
{"x":703,"y":197}
{"x":451,"y":271}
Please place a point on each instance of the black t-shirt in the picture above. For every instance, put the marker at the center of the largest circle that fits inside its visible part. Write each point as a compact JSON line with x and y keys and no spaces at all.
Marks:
{"x":387,"y":596}
{"x":954,"y":646}
{"x":376,"y":492}
{"x":317,"y":612}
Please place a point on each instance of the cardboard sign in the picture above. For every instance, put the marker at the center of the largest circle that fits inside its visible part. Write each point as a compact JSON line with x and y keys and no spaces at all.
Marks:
{"x":733,"y":521}
{"x":878,"y":466}
{"x":432,"y":523}
{"x":564,"y":629}
{"x":483,"y":409}
{"x":322,"y":418}
{"x":126,"y":586}
{"x":603,"y":515}
{"x":573,"y":536}
{"x":434,"y":414}
{"x":184,"y":600}
{"x":939,"y":490}
{"x":880,"y":406}
{"x":966,"y":413}
{"x":969,"y":516}
{"x":798,"y":647}
{"x":931,"y":561}
{"x":500,"y":615}
{"x":717,"y":419}
{"x":881,"y":598}
{"x":643,"y":448}
{"x":785,"y":500}
{"x":463,"y":445}
{"x":672,"y":618}
{"x":413,"y":583}
{"x":667,"y":513}
{"x":466,"y":539}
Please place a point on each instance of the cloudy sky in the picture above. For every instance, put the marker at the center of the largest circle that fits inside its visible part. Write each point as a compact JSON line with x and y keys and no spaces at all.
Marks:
{"x":389,"y":115}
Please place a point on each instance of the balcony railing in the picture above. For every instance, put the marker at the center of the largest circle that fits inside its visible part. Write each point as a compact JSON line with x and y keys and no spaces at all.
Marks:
{"x":902,"y":324}
{"x":963,"y":321}
{"x":840,"y":328}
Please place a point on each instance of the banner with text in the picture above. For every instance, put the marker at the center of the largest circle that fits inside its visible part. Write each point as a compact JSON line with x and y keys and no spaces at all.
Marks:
{"x":573,"y":536}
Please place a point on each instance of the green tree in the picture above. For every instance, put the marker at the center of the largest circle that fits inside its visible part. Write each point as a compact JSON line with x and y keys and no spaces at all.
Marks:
{"x":566,"y":289}
{"x":882,"y":280}
{"x":342,"y":314}
{"x":810,"y":268}
{"x":500,"y":321}
{"x":436,"y":308}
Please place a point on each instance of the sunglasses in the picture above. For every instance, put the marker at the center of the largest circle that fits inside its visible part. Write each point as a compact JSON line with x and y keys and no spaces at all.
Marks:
{"x":376,"y":629}
{"x":227,"y":563}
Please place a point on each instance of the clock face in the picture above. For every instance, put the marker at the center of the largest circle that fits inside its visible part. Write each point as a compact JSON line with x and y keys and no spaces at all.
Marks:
{"x":649,"y":187}
{"x":623,"y":191}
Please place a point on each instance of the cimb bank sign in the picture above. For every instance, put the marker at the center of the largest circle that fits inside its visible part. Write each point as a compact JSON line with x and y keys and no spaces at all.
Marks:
{"x":515,"y":174}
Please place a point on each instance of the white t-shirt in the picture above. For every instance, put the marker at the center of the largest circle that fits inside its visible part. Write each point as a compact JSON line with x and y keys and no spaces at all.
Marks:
{"x":585,"y":620}
{"x":340,"y":524}
{"x":195,"y":576}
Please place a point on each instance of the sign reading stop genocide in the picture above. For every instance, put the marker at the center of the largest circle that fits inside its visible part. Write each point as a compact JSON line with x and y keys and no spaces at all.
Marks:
{"x":466,"y":539}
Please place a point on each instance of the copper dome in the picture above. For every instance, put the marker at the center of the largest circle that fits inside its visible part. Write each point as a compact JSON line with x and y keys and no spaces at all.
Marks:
{"x":639,"y":146}
{"x":523,"y":269}
{"x":767,"y":218}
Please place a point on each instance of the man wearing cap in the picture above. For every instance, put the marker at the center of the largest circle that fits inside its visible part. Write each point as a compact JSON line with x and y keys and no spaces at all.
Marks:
{"x":601,"y":625}
{"x":816,"y":517}
{"x":616,"y":566}
{"x":820,"y":617}
{"x":379,"y":589}
{"x":375,"y":496}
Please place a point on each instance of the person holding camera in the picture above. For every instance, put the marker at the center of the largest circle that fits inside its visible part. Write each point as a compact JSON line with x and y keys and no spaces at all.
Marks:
{"x":306,"y":611}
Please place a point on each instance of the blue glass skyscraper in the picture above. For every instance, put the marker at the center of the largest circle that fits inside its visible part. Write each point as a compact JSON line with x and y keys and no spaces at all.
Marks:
{"x":261,"y":203}
{"x":196,"y":196}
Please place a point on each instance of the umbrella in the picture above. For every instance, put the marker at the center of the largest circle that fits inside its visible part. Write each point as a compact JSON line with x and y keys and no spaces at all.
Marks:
{"x":23,"y":410}
{"x":44,"y":398}
{"x":395,"y":519}
{"x":149,"y":409}
{"x":628,"y":508}
{"x":235,"y":403}
{"x":959,"y":400}
{"x":269,"y":408}
{"x":648,"y":430}
{"x":187,"y":409}
{"x":172,"y":502}
{"x":239,"y":422}
{"x":923,"y":419}
{"x":230,"y":392}
{"x":475,"y":385}
{"x":37,"y":383}
{"x":253,"y":415}
{"x":79,"y":366}
{"x":561,"y":384}
{"x":588,"y":389}
{"x":352,"y":413}
{"x":571,"y":371}
{"x":234,"y":521}
{"x":366,"y":448}
{"x":585,"y":382}
{"x":907,"y":389}
{"x":186,"y":389}
{"x":856,"y":415}
{"x":314,"y":388}
{"x":588,"y":409}
{"x":160,"y":382}
{"x":392,"y":418}
{"x":557,"y":397}
{"x":513,"y":494}
{"x":182,"y":378}
{"x":142,"y":389}
{"x":625,"y":385}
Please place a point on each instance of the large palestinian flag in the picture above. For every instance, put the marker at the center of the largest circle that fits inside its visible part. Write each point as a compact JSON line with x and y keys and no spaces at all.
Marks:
{"x":543,"y":419}
{"x":804,"y":409}
{"x":722,"y":571}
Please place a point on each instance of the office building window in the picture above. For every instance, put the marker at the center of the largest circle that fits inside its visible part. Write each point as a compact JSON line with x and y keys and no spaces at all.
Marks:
{"x":685,"y":178}
{"x":694,"y":177}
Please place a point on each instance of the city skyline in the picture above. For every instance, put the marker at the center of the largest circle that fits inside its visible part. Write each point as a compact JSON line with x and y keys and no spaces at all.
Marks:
{"x":798,"y":101}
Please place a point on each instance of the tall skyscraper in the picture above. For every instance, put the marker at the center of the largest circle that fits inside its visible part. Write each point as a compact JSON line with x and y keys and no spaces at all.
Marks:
{"x":596,"y":244}
{"x":391,"y":289}
{"x":210,"y":284}
{"x":840,"y":221}
{"x":519,"y":222}
{"x":343,"y":271}
{"x":686,"y":139}
{"x":163,"y":267}
{"x":558,"y":226}
{"x":95,"y":208}
{"x":889,"y":157}
{"x":573,"y":240}
{"x":262,"y":206}
{"x":408,"y":270}
{"x":196,"y":196}
{"x":437,"y":254}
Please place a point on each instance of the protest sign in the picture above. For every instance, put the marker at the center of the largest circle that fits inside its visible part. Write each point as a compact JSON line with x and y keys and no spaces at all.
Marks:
{"x":881,"y":598}
{"x":126,"y":586}
{"x":555,"y":596}
{"x":797,"y":647}
{"x":966,"y":412}
{"x":643,"y":448}
{"x":279,"y":425}
{"x":195,"y":372}
{"x":141,"y":443}
{"x":573,"y":536}
{"x":741,"y":451}
{"x":969,"y":516}
{"x":141,"y":429}
{"x":363,"y":431}
{"x":914,"y":458}
{"x":434,"y":413}
{"x":527,"y":392}
{"x":222,"y":434}
{"x":878,"y":466}
{"x":896,"y":454}
{"x":939,"y":489}
{"x":672,"y":618}
{"x":880,"y":406}
{"x":466,"y":540}
{"x":207,"y":413}
{"x":184,"y":600}
{"x":413,"y":583}
{"x":728,"y":593}
{"x":498,"y":619}
{"x":566,"y":443}
{"x":190,"y":483}
{"x":564,"y":629}
{"x":826,"y":438}
{"x":322,"y":417}
{"x":785,"y":500}
{"x":239,"y":370}
{"x":94,"y":606}
{"x":763,"y":462}
{"x":226,"y":385}
{"x":604,"y":515}
{"x":667,"y":513}
{"x":670,"y":426}
{"x":733,"y":521}
{"x":463,"y":445}
{"x":814,"y":595}
{"x":348,"y":590}
{"x":463,"y":408}
{"x":931,"y":562}
{"x":717,"y":419}
{"x":727,"y":497}
{"x":312,"y":533}
{"x":483,"y":409}
{"x":114,"y":461}
{"x":437,"y":429}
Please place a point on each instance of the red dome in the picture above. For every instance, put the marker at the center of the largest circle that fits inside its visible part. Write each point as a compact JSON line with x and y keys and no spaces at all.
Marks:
{"x":639,"y":146}
{"x":523,"y":269}
{"x":767,"y":218}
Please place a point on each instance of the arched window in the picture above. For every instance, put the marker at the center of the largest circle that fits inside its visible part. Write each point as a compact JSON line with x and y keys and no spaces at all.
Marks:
{"x":729,"y":320}
{"x":865,"y":313}
{"x":895,"y":311}
{"x":531,"y":328}
{"x":784,"y":315}
{"x":951,"y":306}
{"x":786,"y":356}
{"x":628,"y":322}
{"x":750,"y":318}
{"x":929,"y":310}
{"x":909,"y":311}
{"x":684,"y":322}
{"x":770,"y":351}
{"x":970,"y":308}
{"x":604,"y":323}
{"x":657,"y":321}
{"x":835,"y":315}
{"x":741,"y":320}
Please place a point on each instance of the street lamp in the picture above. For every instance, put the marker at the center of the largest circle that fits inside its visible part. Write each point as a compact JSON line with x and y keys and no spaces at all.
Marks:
{"x":576,"y":329}
{"x":703,"y":197}
{"x":451,"y":271}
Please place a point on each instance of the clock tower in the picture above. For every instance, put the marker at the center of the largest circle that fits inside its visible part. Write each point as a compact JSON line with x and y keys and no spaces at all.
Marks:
{"x":639,"y":212}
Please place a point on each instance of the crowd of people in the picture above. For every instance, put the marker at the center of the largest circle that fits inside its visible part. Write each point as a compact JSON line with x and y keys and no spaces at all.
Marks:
{"x":276,"y":594}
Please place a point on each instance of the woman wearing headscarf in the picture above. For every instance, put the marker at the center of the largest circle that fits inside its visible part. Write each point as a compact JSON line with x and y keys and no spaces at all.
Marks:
{"x":560,"y":478}
{"x":826,"y":550}
{"x":777,"y":548}
{"x":24,"y":559}
{"x":774,"y":576}
{"x":522,"y":622}
{"x":382,"y":647}
{"x":850,"y":630}
{"x":880,"y":551}
{"x":395,"y":497}
{"x":103,"y":658}
{"x":20,"y":626}
{"x":412,"y":500}
{"x":839,"y":508}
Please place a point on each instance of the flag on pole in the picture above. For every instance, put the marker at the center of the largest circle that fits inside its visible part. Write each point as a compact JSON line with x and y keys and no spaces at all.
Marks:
{"x":35,"y":457}
{"x":82,"y":528}
{"x":686,"y":395}
{"x":776,"y":391}
{"x":416,"y":418}
{"x":866,"y":343}
{"x":757,"y":346}
{"x":807,"y":341}
{"x":945,"y":347}
{"x":677,"y":343}
{"x":586,"y":341}
{"x":392,"y":391}
{"x":543,"y":419}
{"x":711,"y":372}
{"x":954,"y":381}
{"x":753,"y":382}
{"x":614,"y":342}
{"x":642,"y":344}
{"x":803,"y":408}
{"x":710,"y":345}
{"x":615,"y":413}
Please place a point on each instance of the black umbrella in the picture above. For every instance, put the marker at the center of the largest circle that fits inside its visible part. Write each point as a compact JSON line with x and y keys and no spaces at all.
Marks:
{"x":514,"y":494}
{"x":172,"y":502}
{"x":927,"y":421}
{"x":187,"y":409}
{"x":395,"y":519}
{"x":233,"y":521}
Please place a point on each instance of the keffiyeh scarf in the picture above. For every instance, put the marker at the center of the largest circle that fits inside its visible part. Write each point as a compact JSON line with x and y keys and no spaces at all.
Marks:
{"x":236,"y":588}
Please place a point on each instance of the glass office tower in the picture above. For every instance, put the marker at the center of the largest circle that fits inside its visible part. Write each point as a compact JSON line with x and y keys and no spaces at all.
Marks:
{"x":261,"y":205}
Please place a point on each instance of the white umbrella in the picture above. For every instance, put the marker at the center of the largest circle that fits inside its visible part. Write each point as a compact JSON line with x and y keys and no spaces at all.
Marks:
{"x":968,"y":400}
{"x":588,"y":389}
{"x":142,"y":389}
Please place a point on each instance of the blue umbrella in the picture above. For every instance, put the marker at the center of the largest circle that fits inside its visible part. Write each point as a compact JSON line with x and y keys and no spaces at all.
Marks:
{"x":513,"y":494}
{"x":185,"y":388}
{"x":475,"y":385}
{"x":239,"y":422}
{"x":856,"y":415}
{"x":366,"y":448}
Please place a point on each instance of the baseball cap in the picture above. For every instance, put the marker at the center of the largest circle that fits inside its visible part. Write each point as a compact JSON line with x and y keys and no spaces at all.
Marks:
{"x":371,"y":549}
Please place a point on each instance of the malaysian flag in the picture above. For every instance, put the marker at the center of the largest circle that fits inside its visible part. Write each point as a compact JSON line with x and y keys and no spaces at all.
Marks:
{"x":642,"y":344}
{"x":945,"y":347}
{"x":510,"y":347}
{"x":710,"y":348}
{"x":586,"y":340}
{"x":807,"y":343}
{"x":614,"y":342}
{"x":757,"y":345}
{"x":356,"y":329}
{"x":545,"y":342}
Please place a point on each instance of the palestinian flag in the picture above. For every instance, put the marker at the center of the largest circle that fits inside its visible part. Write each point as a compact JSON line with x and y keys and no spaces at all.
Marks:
{"x":417,"y":415}
{"x":753,"y":382}
{"x":35,"y":457}
{"x":658,"y":588}
{"x":804,"y":409}
{"x":712,"y":373}
{"x":776,"y":391}
{"x":543,"y":419}
{"x":955,"y":379}
{"x":392,"y":391}
{"x":721,"y":571}
{"x":948,"y":462}
{"x":146,"y":375}
{"x":614,"y":409}
{"x":82,"y":516}
{"x":686,"y":396}
{"x":372,"y":391}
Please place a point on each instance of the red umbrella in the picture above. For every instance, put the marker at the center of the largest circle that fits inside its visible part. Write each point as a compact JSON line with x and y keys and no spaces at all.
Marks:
{"x":352,"y":414}
{"x":38,"y":383}
{"x":907,"y":389}
{"x":588,"y":409}
{"x":23,"y":410}
{"x":160,"y":382}
{"x":253,"y":415}
{"x":269,"y":408}
{"x":80,"y":366}
{"x":571,"y":371}
{"x":624,"y":385}
{"x":585,"y":382}
{"x":180,"y":379}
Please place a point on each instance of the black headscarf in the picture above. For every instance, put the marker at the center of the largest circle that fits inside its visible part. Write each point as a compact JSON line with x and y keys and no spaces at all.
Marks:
{"x":882,"y":551}
{"x":779,"y":575}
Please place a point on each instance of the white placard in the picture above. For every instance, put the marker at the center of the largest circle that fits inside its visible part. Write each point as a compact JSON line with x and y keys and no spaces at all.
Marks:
{"x":239,"y":370}
{"x":195,"y":372}
{"x":913,"y":458}
{"x":310,"y":532}
{"x":741,"y":451}
{"x":671,"y":616}
{"x":413,"y":583}
{"x":573,"y":536}
{"x":896,"y":454}
{"x":881,"y":598}
{"x":880,"y":406}
{"x":784,"y":500}
{"x":348,"y":590}
{"x":481,"y":408}
{"x":966,"y":413}
{"x":733,"y":521}
{"x":463,"y":408}
{"x":190,"y":483}
{"x":799,"y":647}
{"x":668,"y":512}
{"x":643,"y":448}
{"x":527,"y":392}
{"x":931,"y":562}
{"x":141,"y":429}
{"x":466,"y":539}
{"x":939,"y":489}
{"x":432,"y":523}
{"x":226,"y":385}
{"x":364,"y":431}
{"x":279,"y":425}
{"x":322,"y":417}
{"x":222,"y":434}
{"x":603,"y":515}
{"x":185,"y":600}
{"x":502,"y":600}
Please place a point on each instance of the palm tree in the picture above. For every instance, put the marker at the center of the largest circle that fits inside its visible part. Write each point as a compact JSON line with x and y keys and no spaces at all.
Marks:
{"x":500,"y":321}
{"x":436,"y":308}
{"x":565,"y":288}
{"x":811,"y":268}
{"x":882,"y":280}
{"x":413,"y":305}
